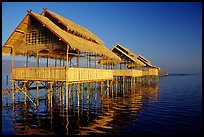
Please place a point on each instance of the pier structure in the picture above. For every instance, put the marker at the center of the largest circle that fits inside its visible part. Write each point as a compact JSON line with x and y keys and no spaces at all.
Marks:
{"x":68,"y":58}
{"x":132,"y":67}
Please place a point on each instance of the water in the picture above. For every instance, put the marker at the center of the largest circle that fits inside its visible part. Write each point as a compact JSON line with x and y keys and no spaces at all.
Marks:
{"x":172,"y":106}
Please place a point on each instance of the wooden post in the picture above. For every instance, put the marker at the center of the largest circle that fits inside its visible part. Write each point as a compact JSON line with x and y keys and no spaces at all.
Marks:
{"x":62,"y":96}
{"x":123,"y":85}
{"x":95,"y":61}
{"x":50,"y":63}
{"x":13,"y":94}
{"x":7,"y":82}
{"x":60,"y":62}
{"x":51,"y":93}
{"x":47,"y":61}
{"x":55,"y":63}
{"x":25,"y":90}
{"x":27,"y":61}
{"x":78,"y":57}
{"x":12,"y":57}
{"x":37,"y":61}
{"x":112,"y":86}
{"x":116,"y":85}
{"x":88,"y":91}
{"x":37,"y":88}
{"x":108,"y":88}
{"x":87,"y":60}
{"x":67,"y":85}
{"x":7,"y":90}
{"x":67,"y":96}
{"x":77,"y":93}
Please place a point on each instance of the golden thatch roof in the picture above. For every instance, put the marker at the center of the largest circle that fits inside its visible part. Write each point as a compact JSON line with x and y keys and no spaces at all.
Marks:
{"x":73,"y":27}
{"x":122,"y":52}
{"x":17,"y":39}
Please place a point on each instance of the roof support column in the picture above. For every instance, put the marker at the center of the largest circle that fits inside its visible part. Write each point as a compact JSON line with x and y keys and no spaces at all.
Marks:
{"x":26,"y":61}
{"x":37,"y":61}
{"x":66,"y":68}
{"x":67,"y":56}
{"x":78,"y":57}
{"x":12,"y":57}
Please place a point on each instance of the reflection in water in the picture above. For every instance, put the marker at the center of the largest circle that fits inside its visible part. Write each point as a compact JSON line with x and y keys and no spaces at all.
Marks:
{"x":104,"y":111}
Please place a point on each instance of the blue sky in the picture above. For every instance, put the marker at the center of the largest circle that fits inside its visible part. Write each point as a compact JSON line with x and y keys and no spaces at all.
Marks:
{"x":169,"y":34}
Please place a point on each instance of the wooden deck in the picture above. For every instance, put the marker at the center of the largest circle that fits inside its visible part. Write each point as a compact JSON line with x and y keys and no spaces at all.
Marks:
{"x":74,"y":74}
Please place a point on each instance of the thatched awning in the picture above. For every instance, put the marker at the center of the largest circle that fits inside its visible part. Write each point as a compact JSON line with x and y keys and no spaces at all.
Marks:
{"x":16,"y":39}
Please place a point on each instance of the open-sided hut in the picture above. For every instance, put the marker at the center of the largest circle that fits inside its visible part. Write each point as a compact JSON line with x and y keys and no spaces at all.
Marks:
{"x":129,"y":60}
{"x":52,"y":37}
{"x":49,"y":35}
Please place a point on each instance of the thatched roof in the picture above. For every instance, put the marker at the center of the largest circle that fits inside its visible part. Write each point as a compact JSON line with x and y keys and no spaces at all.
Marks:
{"x":73,"y":27}
{"x":17,"y":38}
{"x":122,"y":52}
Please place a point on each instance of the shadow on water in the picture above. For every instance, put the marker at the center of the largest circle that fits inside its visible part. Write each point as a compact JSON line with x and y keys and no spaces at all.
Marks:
{"x":103,"y":112}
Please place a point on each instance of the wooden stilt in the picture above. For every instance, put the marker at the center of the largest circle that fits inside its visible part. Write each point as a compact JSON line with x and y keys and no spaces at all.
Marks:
{"x":13,"y":94}
{"x":37,"y":88}
{"x":62,"y":95}
{"x":67,"y":96}
{"x":51,"y":94}
{"x":25,"y":91}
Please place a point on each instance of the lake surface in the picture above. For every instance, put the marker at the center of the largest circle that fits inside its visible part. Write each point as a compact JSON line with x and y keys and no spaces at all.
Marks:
{"x":171,"y":106}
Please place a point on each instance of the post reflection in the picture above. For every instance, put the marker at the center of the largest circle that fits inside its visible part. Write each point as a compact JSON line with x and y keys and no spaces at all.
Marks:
{"x":99,"y":109}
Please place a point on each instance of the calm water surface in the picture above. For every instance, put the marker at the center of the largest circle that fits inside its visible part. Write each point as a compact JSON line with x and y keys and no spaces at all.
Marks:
{"x":172,"y":106}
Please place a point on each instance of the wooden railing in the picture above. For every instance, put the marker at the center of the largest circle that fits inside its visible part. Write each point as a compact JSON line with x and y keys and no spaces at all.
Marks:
{"x":74,"y":74}
{"x":133,"y":73}
{"x":61,"y":74}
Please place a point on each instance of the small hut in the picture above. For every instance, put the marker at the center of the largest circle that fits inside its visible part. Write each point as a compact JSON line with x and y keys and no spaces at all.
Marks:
{"x":50,"y":36}
{"x":129,"y":60}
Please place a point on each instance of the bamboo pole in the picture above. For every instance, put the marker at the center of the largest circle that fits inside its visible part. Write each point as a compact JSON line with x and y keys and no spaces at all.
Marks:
{"x":47,"y":61}
{"x":37,"y":61}
{"x":6,"y":89}
{"x":25,"y":90}
{"x":18,"y":93}
{"x":78,"y":57}
{"x":67,"y":96}
{"x":12,"y":88}
{"x":60,"y":62}
{"x":88,"y":91}
{"x":27,"y":60}
{"x":87,"y":60}
{"x":62,"y":96}
{"x":77,"y":91}
{"x":12,"y":57}
{"x":37,"y":88}
{"x":51,"y":94}
{"x":117,"y":82}
{"x":95,"y":60}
